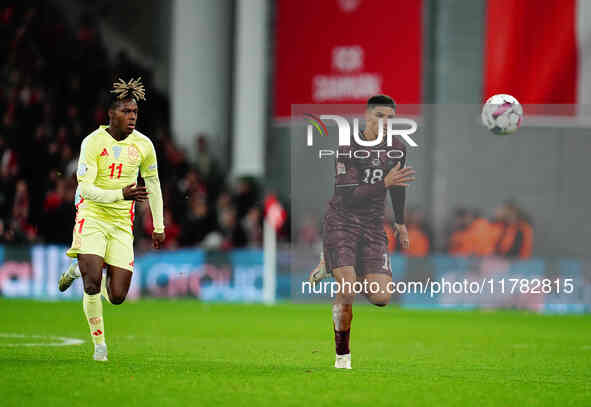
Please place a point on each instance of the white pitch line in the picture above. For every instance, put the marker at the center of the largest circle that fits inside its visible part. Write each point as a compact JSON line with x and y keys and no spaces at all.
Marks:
{"x":522,"y":346}
{"x":63,"y":341}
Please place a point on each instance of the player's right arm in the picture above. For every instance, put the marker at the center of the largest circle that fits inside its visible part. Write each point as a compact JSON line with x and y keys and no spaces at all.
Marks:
{"x":87,"y":172}
{"x":149,"y":171}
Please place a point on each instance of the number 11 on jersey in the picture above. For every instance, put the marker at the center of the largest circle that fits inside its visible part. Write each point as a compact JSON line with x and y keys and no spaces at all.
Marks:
{"x":119,"y":169}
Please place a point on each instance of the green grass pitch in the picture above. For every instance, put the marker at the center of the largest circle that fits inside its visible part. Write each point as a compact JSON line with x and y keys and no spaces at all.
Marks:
{"x":171,"y":353}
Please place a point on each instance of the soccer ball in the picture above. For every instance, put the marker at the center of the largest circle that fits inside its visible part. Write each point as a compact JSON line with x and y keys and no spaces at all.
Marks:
{"x":502,"y":114}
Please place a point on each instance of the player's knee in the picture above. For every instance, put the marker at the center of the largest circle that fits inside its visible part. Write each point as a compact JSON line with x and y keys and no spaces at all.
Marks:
{"x":380,"y":300}
{"x":92,"y":287}
{"x":117,"y":299}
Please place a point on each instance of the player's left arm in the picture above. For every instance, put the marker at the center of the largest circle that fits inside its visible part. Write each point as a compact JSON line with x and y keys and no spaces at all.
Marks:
{"x":398,"y":198}
{"x":149,"y":171}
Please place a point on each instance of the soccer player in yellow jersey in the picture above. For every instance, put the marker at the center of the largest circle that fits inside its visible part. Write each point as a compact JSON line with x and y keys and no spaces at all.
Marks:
{"x":110,"y":159}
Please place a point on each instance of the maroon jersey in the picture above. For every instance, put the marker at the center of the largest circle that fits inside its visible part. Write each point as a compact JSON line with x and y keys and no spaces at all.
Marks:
{"x":359,"y":190}
{"x":353,"y":231}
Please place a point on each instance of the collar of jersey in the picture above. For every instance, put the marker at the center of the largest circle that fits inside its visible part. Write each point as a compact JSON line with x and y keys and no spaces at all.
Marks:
{"x":103,"y":127}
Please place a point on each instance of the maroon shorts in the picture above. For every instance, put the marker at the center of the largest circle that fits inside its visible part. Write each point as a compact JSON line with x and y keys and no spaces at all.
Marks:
{"x":364,"y":247}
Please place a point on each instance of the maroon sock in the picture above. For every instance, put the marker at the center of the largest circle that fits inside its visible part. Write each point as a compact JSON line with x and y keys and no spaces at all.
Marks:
{"x":341,"y":340}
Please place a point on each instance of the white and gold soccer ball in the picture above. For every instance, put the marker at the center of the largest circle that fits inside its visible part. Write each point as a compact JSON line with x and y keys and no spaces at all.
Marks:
{"x":502,"y":114}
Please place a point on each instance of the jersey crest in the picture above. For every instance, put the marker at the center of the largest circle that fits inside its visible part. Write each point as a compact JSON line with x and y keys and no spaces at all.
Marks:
{"x":133,"y":154}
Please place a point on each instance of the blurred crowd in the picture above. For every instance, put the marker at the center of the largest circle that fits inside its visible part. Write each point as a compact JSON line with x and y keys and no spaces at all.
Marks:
{"x":55,"y":81}
{"x":508,"y":233}
{"x":54,"y":88}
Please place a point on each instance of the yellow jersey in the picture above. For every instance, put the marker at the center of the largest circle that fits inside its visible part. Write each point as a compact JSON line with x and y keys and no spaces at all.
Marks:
{"x":112,"y":165}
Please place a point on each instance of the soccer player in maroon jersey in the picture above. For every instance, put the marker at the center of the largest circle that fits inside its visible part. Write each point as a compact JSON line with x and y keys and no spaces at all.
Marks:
{"x":354,"y":242}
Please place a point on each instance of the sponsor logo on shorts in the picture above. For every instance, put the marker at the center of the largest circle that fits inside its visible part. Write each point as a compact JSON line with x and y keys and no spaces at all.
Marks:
{"x":97,"y":332}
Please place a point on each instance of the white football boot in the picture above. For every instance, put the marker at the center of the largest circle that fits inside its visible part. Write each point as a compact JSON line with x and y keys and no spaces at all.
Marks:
{"x":343,"y":361}
{"x":100,"y":353}
{"x":68,"y":276}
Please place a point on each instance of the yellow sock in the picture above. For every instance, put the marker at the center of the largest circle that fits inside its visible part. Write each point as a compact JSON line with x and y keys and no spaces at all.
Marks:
{"x":104,"y":291}
{"x":93,"y":309}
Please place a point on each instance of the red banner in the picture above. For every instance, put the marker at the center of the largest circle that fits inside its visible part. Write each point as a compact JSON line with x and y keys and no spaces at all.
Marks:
{"x":344,"y":51}
{"x":532,"y":50}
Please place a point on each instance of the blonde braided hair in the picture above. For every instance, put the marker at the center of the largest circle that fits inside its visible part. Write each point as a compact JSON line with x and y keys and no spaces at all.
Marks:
{"x":134,"y":88}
